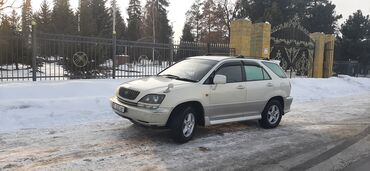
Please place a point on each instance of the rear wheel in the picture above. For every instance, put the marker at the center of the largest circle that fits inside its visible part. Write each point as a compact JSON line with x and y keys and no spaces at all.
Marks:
{"x":271,"y":115}
{"x":183,"y":124}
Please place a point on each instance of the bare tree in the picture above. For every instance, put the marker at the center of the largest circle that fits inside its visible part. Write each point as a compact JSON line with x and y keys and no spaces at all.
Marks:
{"x":227,"y":12}
{"x":6,"y":4}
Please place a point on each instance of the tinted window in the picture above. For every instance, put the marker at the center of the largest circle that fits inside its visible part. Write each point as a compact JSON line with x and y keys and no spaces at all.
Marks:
{"x":253,"y":73}
{"x":276,"y":69}
{"x":266,"y":76}
{"x":232,"y":73}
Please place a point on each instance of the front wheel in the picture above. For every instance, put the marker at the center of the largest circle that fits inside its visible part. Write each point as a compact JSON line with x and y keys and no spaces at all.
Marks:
{"x":183,"y":124}
{"x":271,"y":115}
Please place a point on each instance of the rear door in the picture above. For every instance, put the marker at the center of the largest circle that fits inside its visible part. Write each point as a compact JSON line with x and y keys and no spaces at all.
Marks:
{"x":259,"y":86}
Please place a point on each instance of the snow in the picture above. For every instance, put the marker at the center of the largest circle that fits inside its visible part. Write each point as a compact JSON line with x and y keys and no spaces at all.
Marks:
{"x":46,"y":104}
{"x":52,"y":69}
{"x":308,"y":89}
{"x":54,"y":104}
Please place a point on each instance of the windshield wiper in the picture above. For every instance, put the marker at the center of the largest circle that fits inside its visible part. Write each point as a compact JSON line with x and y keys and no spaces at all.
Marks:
{"x":186,"y":79}
{"x":178,"y":78}
{"x":170,"y":76}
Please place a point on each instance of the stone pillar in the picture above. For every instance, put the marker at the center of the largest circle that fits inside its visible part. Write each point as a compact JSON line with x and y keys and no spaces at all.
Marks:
{"x":329,"y":55}
{"x":251,"y":40}
{"x":261,"y":38}
{"x":240,"y":36}
{"x":318,"y":59}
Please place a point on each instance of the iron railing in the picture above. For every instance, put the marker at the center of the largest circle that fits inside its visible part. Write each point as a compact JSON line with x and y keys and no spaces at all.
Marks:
{"x":44,"y":56}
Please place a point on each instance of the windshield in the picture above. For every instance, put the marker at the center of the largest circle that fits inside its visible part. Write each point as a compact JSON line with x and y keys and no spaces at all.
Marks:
{"x":192,"y":70}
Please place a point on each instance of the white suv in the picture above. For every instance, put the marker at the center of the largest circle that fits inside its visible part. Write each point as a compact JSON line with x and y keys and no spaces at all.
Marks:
{"x":203,"y":91}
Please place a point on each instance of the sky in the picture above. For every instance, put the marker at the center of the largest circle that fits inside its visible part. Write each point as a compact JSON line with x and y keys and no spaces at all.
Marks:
{"x":178,"y":8}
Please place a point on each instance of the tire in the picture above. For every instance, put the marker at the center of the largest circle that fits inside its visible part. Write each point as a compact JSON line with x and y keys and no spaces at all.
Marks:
{"x":183,"y":124}
{"x":271,"y":115}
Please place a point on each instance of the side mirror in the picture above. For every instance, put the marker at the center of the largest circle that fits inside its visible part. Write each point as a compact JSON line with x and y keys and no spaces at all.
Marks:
{"x":219,"y":79}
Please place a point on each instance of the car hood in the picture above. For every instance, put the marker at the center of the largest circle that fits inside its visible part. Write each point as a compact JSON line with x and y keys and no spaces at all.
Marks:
{"x":151,"y":83}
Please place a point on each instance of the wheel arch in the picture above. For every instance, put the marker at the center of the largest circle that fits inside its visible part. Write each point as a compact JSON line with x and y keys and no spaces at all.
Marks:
{"x":197,"y":106}
{"x":278,"y":98}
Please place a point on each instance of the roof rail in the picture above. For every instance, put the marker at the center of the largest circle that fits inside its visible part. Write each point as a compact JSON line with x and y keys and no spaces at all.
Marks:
{"x":216,"y":54}
{"x":252,"y":57}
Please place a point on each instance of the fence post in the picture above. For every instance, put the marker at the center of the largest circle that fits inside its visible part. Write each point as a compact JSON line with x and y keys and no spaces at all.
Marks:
{"x":114,"y":44}
{"x":34,"y":51}
{"x":208,"y":48}
{"x":171,"y":51}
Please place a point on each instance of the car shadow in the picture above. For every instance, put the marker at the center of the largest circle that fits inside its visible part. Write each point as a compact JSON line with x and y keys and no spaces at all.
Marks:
{"x":163,"y":135}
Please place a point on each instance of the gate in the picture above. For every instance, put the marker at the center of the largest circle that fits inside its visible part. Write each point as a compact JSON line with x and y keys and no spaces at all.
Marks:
{"x":292,"y":45}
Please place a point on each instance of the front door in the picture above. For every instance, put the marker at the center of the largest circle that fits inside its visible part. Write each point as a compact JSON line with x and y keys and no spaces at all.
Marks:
{"x":227,"y":100}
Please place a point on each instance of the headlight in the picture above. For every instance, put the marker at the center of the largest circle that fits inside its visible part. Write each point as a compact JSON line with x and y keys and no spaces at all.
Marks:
{"x":152,"y":99}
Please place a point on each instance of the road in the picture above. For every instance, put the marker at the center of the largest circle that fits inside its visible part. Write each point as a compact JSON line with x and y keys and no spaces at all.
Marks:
{"x":329,"y":134}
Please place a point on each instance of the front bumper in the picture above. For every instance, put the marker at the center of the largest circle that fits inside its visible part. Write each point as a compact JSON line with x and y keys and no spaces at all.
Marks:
{"x":287,"y":103}
{"x":147,"y":117}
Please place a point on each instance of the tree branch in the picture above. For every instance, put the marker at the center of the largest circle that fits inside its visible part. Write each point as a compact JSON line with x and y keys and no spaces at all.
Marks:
{"x":3,"y":2}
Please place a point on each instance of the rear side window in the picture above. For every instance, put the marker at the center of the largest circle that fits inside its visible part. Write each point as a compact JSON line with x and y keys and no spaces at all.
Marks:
{"x":276,"y":69}
{"x":232,"y":73}
{"x":255,"y":73}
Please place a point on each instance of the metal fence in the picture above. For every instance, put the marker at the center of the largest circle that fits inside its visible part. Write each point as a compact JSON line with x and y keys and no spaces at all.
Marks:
{"x":351,"y":68}
{"x":44,"y":56}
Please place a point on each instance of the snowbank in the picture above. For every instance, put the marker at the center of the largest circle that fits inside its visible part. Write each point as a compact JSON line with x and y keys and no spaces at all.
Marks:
{"x":57,"y":103}
{"x":63,"y":103}
{"x":307,"y":89}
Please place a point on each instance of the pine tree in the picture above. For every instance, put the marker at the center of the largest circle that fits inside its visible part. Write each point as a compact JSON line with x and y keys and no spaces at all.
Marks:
{"x":355,"y":34}
{"x":275,"y":12}
{"x":187,"y":36}
{"x":321,"y":17}
{"x":5,"y":28}
{"x":87,"y":25}
{"x":14,"y":21}
{"x":16,"y":46}
{"x":121,"y":28}
{"x":13,"y":41}
{"x":186,"y":42}
{"x":101,"y":18}
{"x":5,"y":32}
{"x":43,"y":17}
{"x":316,"y":16}
{"x":27,"y":20}
{"x":134,"y":26}
{"x":155,"y":11}
{"x":63,"y":19}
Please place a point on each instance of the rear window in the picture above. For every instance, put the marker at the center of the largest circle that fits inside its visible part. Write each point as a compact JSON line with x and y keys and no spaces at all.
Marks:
{"x":276,"y":69}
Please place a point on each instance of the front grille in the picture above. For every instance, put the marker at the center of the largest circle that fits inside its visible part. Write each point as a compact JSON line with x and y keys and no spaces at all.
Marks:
{"x":127,"y":102}
{"x":128,"y":93}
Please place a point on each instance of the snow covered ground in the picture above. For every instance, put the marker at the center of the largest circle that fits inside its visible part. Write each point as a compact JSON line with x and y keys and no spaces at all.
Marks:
{"x":68,"y":125}
{"x":63,"y":103}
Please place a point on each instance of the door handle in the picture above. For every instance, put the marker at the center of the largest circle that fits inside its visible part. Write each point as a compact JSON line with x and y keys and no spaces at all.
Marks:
{"x":270,"y":85}
{"x":240,"y":87}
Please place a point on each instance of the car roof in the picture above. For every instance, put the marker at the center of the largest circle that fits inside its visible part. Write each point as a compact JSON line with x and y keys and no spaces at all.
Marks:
{"x":224,"y":58}
{"x":214,"y":58}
